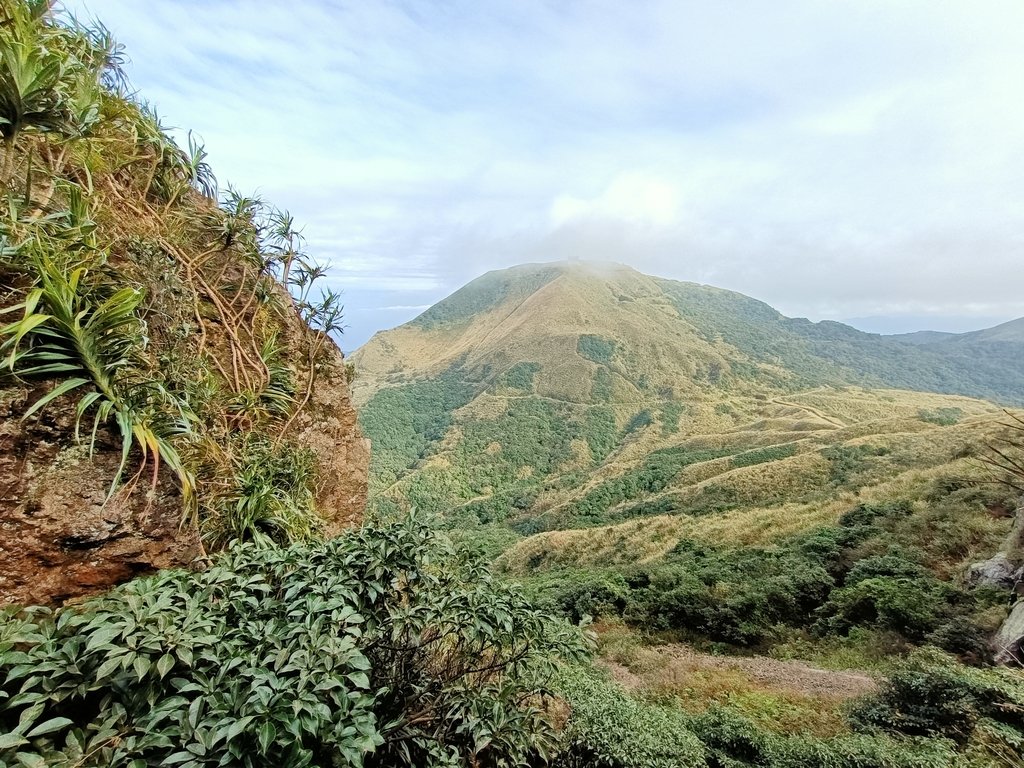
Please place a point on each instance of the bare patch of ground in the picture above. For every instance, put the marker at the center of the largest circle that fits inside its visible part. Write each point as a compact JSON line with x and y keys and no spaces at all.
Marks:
{"x":678,"y":666}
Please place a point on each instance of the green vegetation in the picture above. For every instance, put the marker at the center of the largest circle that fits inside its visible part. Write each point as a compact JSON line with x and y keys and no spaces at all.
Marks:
{"x":91,"y":336}
{"x":181,"y":327}
{"x":833,"y":353}
{"x":520,"y":376}
{"x":670,"y":414}
{"x":136,"y":299}
{"x":764,"y":455}
{"x":872,"y":571}
{"x":944,"y":417}
{"x":596,"y":349}
{"x":404,"y":421}
{"x":930,"y":695}
{"x":601,"y":389}
{"x":487,"y":292}
{"x":849,"y":463}
{"x":600,"y":432}
{"x":317,"y":655}
{"x":609,"y":728}
{"x":653,"y":475}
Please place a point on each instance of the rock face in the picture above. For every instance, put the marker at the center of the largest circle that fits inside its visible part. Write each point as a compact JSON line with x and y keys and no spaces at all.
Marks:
{"x":61,"y":538}
{"x":1004,"y":572}
{"x":1008,"y":644}
{"x":998,"y":571}
{"x":328,"y":426}
{"x":59,"y":535}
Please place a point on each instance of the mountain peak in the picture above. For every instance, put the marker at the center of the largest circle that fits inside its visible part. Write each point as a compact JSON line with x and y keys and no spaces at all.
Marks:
{"x":594,"y":331}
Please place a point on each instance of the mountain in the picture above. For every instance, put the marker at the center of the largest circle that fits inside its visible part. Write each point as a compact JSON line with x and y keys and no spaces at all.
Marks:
{"x":566,"y":396}
{"x":1006,"y":333}
{"x":922,"y":337}
{"x":661,"y":329}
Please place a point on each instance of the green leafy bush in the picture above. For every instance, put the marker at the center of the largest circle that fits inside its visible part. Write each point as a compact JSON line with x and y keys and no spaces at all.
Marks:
{"x":931,"y":695}
{"x":608,"y":728}
{"x":381,"y":648}
{"x":596,"y":348}
{"x":733,"y":741}
{"x":912,"y":607}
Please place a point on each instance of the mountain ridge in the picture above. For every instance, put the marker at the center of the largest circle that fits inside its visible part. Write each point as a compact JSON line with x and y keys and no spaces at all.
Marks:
{"x":571,"y":395}
{"x":703,"y":318}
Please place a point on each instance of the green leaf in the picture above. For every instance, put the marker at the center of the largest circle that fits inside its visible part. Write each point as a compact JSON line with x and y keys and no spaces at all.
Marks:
{"x":49,"y":726}
{"x":11,"y":740}
{"x":267,"y":734}
{"x":141,"y":666}
{"x":164,"y":665}
{"x":60,"y":389}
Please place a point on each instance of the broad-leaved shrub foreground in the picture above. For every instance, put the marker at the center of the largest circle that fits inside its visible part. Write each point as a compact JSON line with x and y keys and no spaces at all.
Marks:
{"x":385,"y":647}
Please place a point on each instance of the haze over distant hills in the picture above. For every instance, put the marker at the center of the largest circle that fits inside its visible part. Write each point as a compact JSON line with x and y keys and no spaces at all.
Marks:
{"x":897,"y":325}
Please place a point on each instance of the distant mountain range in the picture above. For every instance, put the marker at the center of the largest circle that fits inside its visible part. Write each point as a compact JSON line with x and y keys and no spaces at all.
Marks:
{"x":678,"y":334}
{"x":554,"y":396}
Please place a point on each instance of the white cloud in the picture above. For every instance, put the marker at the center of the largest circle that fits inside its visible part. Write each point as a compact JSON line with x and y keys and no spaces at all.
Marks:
{"x":835,"y":159}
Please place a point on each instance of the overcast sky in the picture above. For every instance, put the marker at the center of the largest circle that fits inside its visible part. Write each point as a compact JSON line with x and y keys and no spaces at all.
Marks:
{"x":841,"y":159}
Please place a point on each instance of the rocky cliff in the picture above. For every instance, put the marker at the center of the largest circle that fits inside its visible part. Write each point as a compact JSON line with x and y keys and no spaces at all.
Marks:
{"x":169,"y":383}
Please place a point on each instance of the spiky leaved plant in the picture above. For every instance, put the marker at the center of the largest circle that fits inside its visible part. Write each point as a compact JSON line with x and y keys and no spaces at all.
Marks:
{"x":93,"y":343}
{"x":32,"y":77}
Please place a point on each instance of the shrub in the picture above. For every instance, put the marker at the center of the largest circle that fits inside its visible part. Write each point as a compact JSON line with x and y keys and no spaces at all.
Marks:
{"x":733,"y":741}
{"x":943,"y":417}
{"x":764,"y":455}
{"x":930,"y":694}
{"x":608,"y":728}
{"x":595,"y":348}
{"x":379,"y":648}
{"x":520,"y":376}
{"x":599,"y":430}
{"x":912,"y":607}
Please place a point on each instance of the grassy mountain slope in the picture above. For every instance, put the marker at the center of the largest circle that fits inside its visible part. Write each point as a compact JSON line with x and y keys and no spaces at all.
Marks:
{"x":687,"y":465}
{"x":558,"y":396}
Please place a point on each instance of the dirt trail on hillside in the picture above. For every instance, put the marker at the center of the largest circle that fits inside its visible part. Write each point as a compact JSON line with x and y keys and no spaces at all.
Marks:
{"x":678,"y":662}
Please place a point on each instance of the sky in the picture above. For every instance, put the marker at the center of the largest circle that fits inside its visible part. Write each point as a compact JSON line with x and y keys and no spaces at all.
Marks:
{"x":850,"y":159}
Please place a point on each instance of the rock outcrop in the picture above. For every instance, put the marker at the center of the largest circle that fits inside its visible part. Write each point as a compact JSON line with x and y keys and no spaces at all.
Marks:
{"x":1005,"y":571}
{"x":998,"y":571}
{"x":62,"y":538}
{"x":1008,"y":643}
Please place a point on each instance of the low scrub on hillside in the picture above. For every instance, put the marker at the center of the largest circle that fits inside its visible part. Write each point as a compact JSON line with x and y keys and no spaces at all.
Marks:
{"x":933,"y":713}
{"x":881,"y":568}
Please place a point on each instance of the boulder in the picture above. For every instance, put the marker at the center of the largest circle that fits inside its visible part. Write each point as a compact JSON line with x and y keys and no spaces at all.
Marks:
{"x":1008,"y":643}
{"x":998,"y":571}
